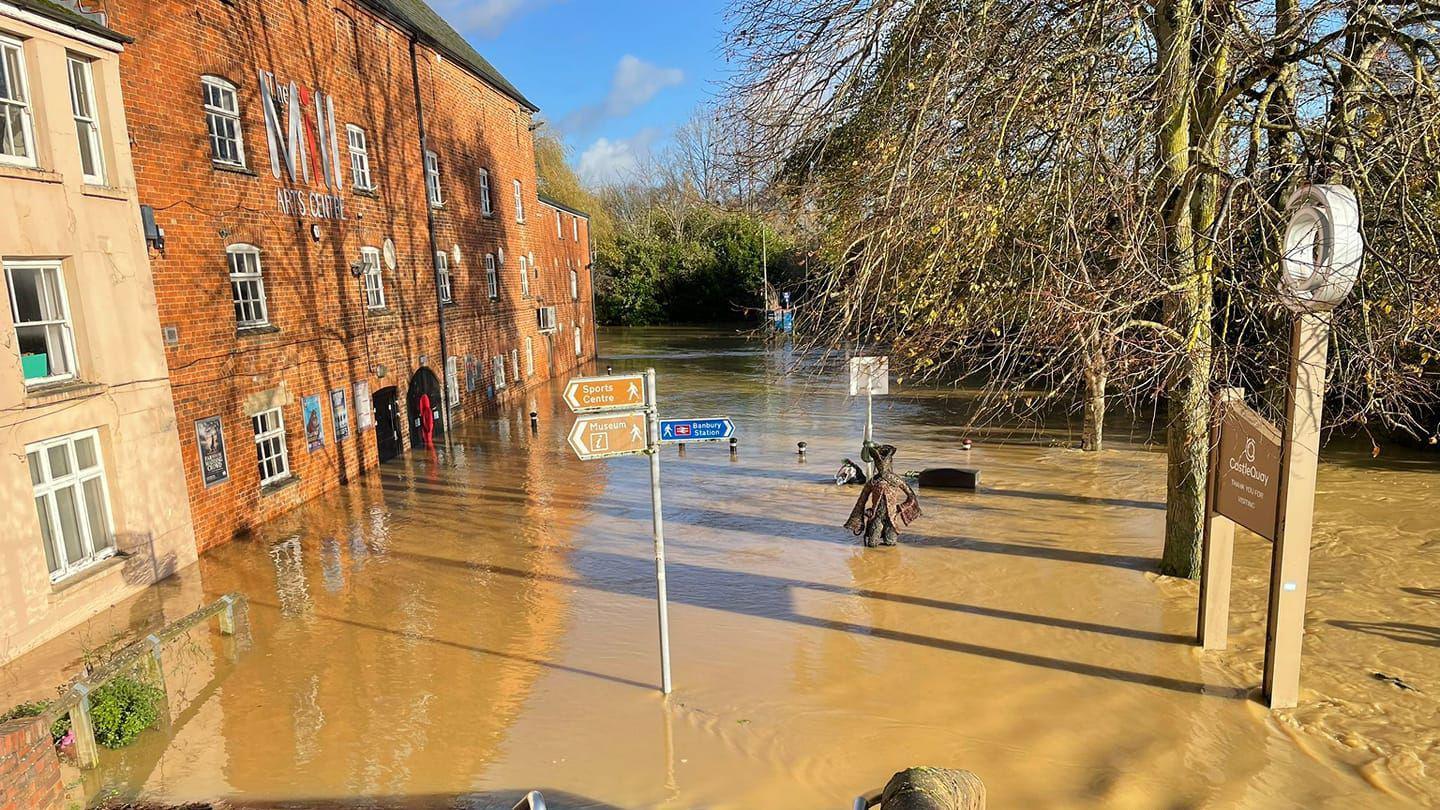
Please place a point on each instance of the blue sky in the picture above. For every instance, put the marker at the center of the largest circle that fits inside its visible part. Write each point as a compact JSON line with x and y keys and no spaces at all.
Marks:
{"x":615,"y":76}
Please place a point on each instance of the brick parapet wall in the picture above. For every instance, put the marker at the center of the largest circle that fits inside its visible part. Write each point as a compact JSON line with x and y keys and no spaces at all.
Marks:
{"x":29,"y":767}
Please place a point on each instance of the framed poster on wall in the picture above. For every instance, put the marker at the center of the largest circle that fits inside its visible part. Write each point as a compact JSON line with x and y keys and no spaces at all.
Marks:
{"x":340,"y":412}
{"x":210,"y":438}
{"x":314,"y":422}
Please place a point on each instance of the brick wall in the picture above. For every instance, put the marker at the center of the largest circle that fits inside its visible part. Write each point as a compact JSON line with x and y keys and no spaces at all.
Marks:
{"x":322,"y":336}
{"x":29,"y":767}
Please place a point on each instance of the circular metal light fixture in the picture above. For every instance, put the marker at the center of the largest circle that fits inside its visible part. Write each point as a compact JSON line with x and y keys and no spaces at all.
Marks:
{"x":1323,"y":248}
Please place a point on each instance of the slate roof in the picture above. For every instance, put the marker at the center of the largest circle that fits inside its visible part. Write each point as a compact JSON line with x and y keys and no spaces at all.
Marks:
{"x":419,"y":17}
{"x":554,"y":203}
{"x":62,"y":14}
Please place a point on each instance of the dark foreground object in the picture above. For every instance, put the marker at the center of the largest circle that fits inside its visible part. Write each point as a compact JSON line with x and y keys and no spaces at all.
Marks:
{"x":950,"y":478}
{"x":933,"y":789}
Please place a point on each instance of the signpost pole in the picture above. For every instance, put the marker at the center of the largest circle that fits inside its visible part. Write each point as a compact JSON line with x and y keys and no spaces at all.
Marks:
{"x":1215,"y":564}
{"x":1290,"y":564}
{"x":659,"y":527}
{"x":869,"y":424}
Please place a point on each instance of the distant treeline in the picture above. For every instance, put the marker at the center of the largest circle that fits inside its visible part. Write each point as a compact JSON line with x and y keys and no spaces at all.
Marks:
{"x":692,"y":264}
{"x":676,"y":243}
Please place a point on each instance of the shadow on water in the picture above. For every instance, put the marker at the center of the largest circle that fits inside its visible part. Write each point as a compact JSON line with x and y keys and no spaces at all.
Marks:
{"x":407,"y":634}
{"x":771,"y":525}
{"x":1080,"y":499}
{"x":1394,"y":631}
{"x":773,"y":598}
{"x":1432,"y":593}
{"x":488,"y":800}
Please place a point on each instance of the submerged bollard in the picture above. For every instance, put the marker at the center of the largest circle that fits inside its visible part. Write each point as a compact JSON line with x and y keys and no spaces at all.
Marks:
{"x":734,"y":448}
{"x":227,"y":616}
{"x":681,"y":448}
{"x":534,"y":422}
{"x":800,"y":451}
{"x":87,"y":751}
{"x":609,"y":369}
{"x":965,"y":445}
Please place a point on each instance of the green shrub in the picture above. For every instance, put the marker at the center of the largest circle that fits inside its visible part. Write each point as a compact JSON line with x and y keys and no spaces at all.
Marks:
{"x":123,"y":708}
{"x":35,"y":708}
{"x":32,"y":709}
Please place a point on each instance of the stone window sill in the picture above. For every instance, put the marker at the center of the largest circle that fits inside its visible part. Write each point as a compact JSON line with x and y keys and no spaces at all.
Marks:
{"x":276,"y":486}
{"x":379,"y":311}
{"x":367,"y":192}
{"x":232,"y":168}
{"x":106,"y":192}
{"x":252,"y":331}
{"x":63,"y":391}
{"x":17,"y":172}
{"x":88,"y":573}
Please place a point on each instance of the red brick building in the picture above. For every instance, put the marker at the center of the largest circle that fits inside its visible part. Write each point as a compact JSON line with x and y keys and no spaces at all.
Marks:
{"x":352,"y":245}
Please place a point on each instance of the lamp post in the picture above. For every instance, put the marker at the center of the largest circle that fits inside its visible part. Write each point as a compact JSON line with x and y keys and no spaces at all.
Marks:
{"x":1321,"y":261}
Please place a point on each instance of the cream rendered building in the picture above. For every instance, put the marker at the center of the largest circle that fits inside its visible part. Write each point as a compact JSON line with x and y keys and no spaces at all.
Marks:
{"x":93,"y":506}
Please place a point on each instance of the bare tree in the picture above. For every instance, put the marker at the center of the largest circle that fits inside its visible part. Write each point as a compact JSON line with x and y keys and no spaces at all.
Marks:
{"x":1084,"y":196}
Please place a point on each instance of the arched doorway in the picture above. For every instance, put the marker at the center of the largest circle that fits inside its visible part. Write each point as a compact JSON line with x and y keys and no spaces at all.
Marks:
{"x":423,"y":383}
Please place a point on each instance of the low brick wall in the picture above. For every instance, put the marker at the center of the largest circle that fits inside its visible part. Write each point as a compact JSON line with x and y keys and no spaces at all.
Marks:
{"x":29,"y":767}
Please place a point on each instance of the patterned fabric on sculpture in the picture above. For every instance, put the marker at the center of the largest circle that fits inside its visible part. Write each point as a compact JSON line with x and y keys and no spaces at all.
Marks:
{"x":887,"y":504}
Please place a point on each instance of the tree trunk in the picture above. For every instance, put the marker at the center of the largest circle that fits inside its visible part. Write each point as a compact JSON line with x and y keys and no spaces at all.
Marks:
{"x":1093,"y":438}
{"x":1174,"y":26}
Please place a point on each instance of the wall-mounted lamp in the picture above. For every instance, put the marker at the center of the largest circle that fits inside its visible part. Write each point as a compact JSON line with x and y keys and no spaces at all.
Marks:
{"x":154,"y":234}
{"x":357,"y":269}
{"x":315,"y":231}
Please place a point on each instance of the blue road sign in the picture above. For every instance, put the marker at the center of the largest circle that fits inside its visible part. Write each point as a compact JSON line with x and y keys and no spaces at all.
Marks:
{"x":674,"y":431}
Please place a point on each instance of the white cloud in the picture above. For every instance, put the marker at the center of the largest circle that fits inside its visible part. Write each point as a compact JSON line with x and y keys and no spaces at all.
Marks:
{"x":488,"y":17}
{"x":634,"y":84}
{"x":606,"y":162}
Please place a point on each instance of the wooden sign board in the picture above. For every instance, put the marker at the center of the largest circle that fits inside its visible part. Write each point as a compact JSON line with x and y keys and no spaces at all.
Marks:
{"x":621,"y":392}
{"x":1246,"y":479}
{"x":606,"y":435}
{"x":869,"y":375}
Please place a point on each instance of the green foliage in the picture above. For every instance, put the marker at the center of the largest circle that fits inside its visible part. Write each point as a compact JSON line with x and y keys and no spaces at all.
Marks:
{"x":32,"y":709}
{"x":559,"y":182}
{"x":123,"y":708}
{"x":705,"y":267}
{"x":35,"y":708}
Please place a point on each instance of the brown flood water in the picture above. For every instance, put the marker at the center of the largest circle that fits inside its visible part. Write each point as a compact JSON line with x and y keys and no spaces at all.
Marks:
{"x":463,"y":627}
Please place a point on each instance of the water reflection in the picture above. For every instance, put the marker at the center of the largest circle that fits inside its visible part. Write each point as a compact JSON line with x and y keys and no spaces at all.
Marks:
{"x":479,"y":620}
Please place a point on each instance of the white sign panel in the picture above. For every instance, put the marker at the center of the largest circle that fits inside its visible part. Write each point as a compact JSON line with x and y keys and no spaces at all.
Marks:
{"x":869,"y":375}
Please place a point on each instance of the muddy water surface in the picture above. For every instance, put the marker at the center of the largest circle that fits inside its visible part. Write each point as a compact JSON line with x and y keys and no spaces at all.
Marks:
{"x":467,"y":625}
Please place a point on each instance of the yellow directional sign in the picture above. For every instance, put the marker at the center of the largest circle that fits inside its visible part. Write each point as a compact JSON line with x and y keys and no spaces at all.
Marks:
{"x":605,"y":435}
{"x":621,"y":392}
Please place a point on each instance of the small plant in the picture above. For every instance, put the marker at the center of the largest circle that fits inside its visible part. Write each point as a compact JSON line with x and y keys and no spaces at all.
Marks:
{"x":123,"y":708}
{"x":32,"y":709}
{"x":35,"y":708}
